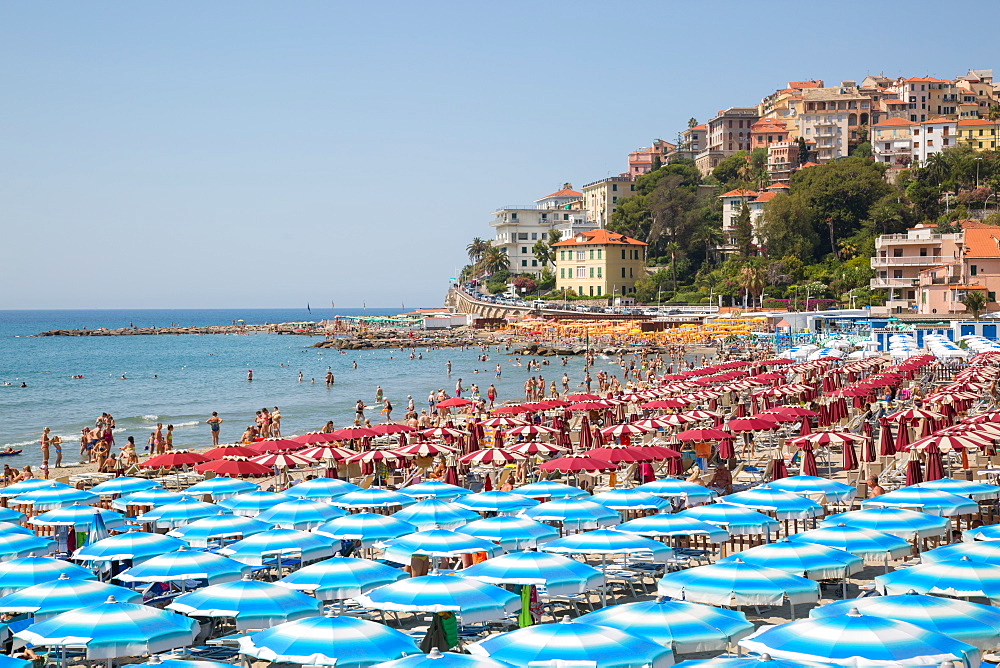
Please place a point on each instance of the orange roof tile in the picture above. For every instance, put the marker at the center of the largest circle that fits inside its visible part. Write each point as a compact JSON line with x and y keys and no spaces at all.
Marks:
{"x":600,"y":237}
{"x":701,"y":127}
{"x":976,"y":121}
{"x":766,"y":197}
{"x":935,"y":121}
{"x":805,"y":84}
{"x":739,"y":192}
{"x":982,"y":242}
{"x":893,"y":122}
{"x":565,"y":192}
{"x":809,"y":164}
{"x":928,"y":80}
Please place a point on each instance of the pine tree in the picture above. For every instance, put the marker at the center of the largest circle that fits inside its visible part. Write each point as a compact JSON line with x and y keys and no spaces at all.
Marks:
{"x":743,"y":231}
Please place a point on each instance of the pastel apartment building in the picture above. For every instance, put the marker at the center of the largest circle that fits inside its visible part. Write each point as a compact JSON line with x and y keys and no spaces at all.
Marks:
{"x":599,"y":263}
{"x":641,"y":161}
{"x":978,"y":134}
{"x":901,"y":142}
{"x":943,"y":287}
{"x":600,"y":198}
{"x":728,"y":133}
{"x":899,"y":259}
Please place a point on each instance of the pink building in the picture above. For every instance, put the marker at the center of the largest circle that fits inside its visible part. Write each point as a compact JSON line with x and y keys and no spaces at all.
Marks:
{"x":943,"y":286}
{"x":641,"y":160}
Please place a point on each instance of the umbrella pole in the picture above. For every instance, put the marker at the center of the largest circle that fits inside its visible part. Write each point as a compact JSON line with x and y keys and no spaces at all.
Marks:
{"x":792,"y":606}
{"x":604,"y":587}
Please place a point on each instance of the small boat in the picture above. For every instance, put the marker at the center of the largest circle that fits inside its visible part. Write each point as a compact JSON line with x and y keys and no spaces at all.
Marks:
{"x":4,"y":453}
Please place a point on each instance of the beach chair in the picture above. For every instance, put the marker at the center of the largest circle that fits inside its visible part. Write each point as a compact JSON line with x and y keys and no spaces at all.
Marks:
{"x":366,"y":481}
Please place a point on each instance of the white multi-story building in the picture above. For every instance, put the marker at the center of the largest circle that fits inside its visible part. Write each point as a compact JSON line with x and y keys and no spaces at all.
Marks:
{"x":600,"y":198}
{"x":932,"y":137}
{"x":520,"y":226}
{"x":826,"y":133}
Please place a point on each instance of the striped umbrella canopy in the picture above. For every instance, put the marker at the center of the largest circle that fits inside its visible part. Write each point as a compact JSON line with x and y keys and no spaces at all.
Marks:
{"x":235,"y":467}
{"x":680,"y":625}
{"x":345,"y":642}
{"x":374,"y":457}
{"x":495,"y":502}
{"x":907,"y":524}
{"x":251,"y":603}
{"x":854,"y":639}
{"x":301,"y":514}
{"x":81,"y":517}
{"x":535,"y":448}
{"x":531,"y":430}
{"x":474,"y":601}
{"x":436,"y":489}
{"x":989,"y":533}
{"x":326,"y":452}
{"x":927,"y":500}
{"x":865,"y":543}
{"x":15,"y":545}
{"x":424,"y":449}
{"x":436,"y":659}
{"x":321,"y":489}
{"x":18,"y":574}
{"x":547,"y":489}
{"x":113,"y":629}
{"x":282,"y":460}
{"x":11,"y":516}
{"x":174,"y":458}
{"x":154,"y":496}
{"x":668,"y":487}
{"x":278,"y":543}
{"x":124,"y":485}
{"x":338,"y":578}
{"x":186,"y":565}
{"x":231,"y":450}
{"x":978,"y":625}
{"x":217,"y":527}
{"x":159,"y":662}
{"x":7,"y":528}
{"x":630,"y":499}
{"x":221,"y":488}
{"x":134,"y":545}
{"x":492,"y":457}
{"x":435,"y":514}
{"x":513,"y":533}
{"x":785,"y":505}
{"x":973,"y":490}
{"x":574,"y":513}
{"x":750,"y":661}
{"x":573,"y":643}
{"x":817,"y":489}
{"x":955,"y":577}
{"x":251,"y":504}
{"x":738,"y":583}
{"x":504,"y":421}
{"x":738,"y":521}
{"x":372,"y":497}
{"x":435,"y":543}
{"x":30,"y":485}
{"x":560,"y":575}
{"x":368,"y":528}
{"x":51,"y":598}
{"x":178,"y":514}
{"x":48,"y":498}
{"x":816,"y":562}
{"x":608,"y":541}
{"x":664,"y":524}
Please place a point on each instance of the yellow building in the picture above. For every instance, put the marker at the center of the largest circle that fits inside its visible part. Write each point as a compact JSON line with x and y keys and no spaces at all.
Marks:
{"x":979,"y":133}
{"x":599,"y":263}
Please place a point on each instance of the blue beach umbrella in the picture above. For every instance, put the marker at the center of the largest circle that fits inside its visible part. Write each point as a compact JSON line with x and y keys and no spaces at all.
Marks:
{"x":11,"y":516}
{"x":738,"y":583}
{"x":474,"y":601}
{"x":186,"y":565}
{"x":345,"y":642}
{"x":738,"y":521}
{"x":750,"y":661}
{"x":368,"y":528}
{"x":173,"y":515}
{"x":159,"y":662}
{"x":608,"y":541}
{"x":113,"y":629}
{"x":436,"y":489}
{"x":280,"y":543}
{"x":854,"y":639}
{"x":630,"y":499}
{"x":154,"y":496}
{"x":973,"y":490}
{"x":560,"y":575}
{"x":816,"y":562}
{"x":338,"y":578}
{"x":51,"y":598}
{"x":690,"y":492}
{"x":251,"y":504}
{"x":960,"y":577}
{"x":865,"y":543}
{"x":817,"y":489}
{"x":910,"y":525}
{"x":437,"y":659}
{"x":48,"y":498}
{"x":435,"y":514}
{"x":31,"y":485}
{"x":680,"y":625}
{"x":435,"y":543}
{"x":978,"y":625}
{"x":80,"y":517}
{"x":133,"y":545}
{"x":574,"y":513}
{"x":373,"y":497}
{"x":11,"y":662}
{"x":301,"y":514}
{"x":926,"y":500}
{"x":18,"y":574}
{"x":513,"y":533}
{"x":986,"y":552}
{"x":16,"y":545}
{"x":124,"y":485}
{"x":321,"y":489}
{"x":495,"y":502}
{"x":8,"y":528}
{"x":253,"y":604}
{"x":664,"y":524}
{"x":573,"y":641}
{"x":546,"y":489}
{"x":784,"y":505}
{"x":217,"y":527}
{"x":221,"y":488}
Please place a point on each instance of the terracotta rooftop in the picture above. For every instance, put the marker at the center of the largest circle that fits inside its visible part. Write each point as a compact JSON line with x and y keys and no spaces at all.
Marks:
{"x":600,"y":237}
{"x":982,"y":242}
{"x":893,"y":122}
{"x":739,"y":192}
{"x":766,"y":197}
{"x":977,"y":121}
{"x":565,"y":192}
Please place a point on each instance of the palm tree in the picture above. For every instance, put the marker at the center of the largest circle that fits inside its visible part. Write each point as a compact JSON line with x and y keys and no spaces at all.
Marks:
{"x":493,"y":259}
{"x":476,"y":249}
{"x":710,"y":235}
{"x":753,"y":279}
{"x":975,"y":302}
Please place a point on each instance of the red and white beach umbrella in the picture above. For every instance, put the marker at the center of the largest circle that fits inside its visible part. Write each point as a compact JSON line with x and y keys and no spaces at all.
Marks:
{"x":577,"y":463}
{"x":531,"y":430}
{"x":373,"y":456}
{"x":617,"y":430}
{"x":424,"y":449}
{"x":235,"y":467}
{"x":282,"y":460}
{"x":827,"y":438}
{"x":504,"y":421}
{"x":535,"y":448}
{"x":441,"y":432}
{"x":492,"y":457}
{"x":326,"y":452}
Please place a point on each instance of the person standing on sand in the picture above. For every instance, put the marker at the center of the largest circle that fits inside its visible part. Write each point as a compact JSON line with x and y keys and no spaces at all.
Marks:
{"x":276,"y":423}
{"x":213,"y":424}
{"x":168,"y":441}
{"x":45,"y":446}
{"x":157,"y":440}
{"x":57,"y":446}
{"x":359,"y":410}
{"x":387,"y":409}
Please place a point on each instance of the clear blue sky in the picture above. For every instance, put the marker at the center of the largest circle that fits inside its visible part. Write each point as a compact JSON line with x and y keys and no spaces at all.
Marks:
{"x":269,"y":154}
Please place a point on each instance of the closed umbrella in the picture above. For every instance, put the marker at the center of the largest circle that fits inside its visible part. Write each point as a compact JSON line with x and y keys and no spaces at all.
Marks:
{"x":186,"y":565}
{"x":886,"y":444}
{"x":18,"y":574}
{"x":809,"y":461}
{"x":339,"y":578}
{"x":280,"y":543}
{"x":218,"y":527}
{"x":474,"y":601}
{"x":51,"y":598}
{"x":512,"y":533}
{"x":251,"y":603}
{"x":738,"y":583}
{"x":368,"y":528}
{"x":559,"y":575}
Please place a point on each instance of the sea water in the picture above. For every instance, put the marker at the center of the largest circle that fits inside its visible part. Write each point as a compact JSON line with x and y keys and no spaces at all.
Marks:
{"x":181,"y":379}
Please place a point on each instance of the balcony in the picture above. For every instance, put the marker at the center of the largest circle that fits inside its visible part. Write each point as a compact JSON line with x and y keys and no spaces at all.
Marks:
{"x":908,"y":261}
{"x":897,"y":239}
{"x":885,"y":283}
